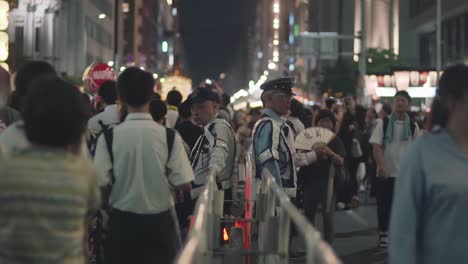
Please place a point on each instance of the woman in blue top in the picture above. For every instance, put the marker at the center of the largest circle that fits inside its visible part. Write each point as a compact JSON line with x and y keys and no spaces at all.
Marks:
{"x":429,"y":221}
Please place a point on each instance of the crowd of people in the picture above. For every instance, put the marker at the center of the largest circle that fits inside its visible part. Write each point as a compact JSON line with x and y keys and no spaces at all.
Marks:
{"x":131,"y":166}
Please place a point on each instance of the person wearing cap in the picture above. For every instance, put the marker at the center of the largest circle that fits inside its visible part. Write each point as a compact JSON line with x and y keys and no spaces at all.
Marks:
{"x":391,"y":138}
{"x":273,"y":139}
{"x":216,"y":148}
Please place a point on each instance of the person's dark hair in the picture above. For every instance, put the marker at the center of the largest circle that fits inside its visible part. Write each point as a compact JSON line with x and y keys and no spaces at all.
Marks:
{"x":158,"y":110}
{"x":306,"y":118}
{"x":27,"y":73}
{"x":225,"y":99}
{"x":54,"y":113}
{"x":324,"y":113}
{"x":403,"y":94}
{"x":87,"y":102}
{"x":387,"y":108}
{"x":174,"y":98}
{"x":329,"y":102}
{"x":135,"y":87}
{"x":156,"y":96}
{"x":255,"y":111}
{"x":297,"y":109}
{"x":453,"y":85}
{"x":360,"y":114}
{"x":108,"y":92}
{"x":185,"y":110}
{"x":123,"y":113}
{"x":315,"y":108}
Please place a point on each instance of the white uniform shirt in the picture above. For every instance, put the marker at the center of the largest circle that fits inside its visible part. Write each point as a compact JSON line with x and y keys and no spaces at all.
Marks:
{"x":143,"y":175}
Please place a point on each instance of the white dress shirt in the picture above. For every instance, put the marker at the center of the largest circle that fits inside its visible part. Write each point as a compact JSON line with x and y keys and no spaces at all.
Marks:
{"x":143,"y":173}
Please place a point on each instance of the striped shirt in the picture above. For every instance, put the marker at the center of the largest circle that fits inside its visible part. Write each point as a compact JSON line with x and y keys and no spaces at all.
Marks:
{"x":45,"y":197}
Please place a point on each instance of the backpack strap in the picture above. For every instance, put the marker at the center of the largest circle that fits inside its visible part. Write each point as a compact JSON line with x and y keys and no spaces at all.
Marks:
{"x":170,"y":135}
{"x":385,"y":126}
{"x":108,"y":134}
{"x":413,"y":128}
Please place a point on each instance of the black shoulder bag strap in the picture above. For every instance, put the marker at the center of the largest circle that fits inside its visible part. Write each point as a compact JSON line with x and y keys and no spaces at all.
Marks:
{"x":108,"y":134}
{"x":170,"y":135}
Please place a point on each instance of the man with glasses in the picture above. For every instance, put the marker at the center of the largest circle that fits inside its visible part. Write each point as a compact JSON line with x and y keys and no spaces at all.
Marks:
{"x":273,"y":140}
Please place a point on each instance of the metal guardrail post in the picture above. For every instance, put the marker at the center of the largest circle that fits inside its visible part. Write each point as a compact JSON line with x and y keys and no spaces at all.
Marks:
{"x":283,"y":234}
{"x":198,"y":249}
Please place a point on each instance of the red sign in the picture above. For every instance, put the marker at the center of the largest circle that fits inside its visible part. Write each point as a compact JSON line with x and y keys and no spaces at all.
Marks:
{"x":97,"y":74}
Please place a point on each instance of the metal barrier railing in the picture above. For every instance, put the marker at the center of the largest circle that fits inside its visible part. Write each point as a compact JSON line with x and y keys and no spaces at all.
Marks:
{"x":201,"y":237}
{"x":274,"y":214}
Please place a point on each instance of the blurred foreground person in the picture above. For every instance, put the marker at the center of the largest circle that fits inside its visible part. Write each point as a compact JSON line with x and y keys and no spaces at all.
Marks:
{"x":8,"y":115}
{"x":14,"y":137}
{"x":429,"y":217}
{"x":47,"y":190}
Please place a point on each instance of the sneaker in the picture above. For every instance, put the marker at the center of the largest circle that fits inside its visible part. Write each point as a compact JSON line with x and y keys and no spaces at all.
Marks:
{"x":383,"y":240}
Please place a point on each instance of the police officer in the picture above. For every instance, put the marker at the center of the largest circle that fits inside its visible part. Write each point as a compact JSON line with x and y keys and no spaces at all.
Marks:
{"x":273,"y":139}
{"x":216,"y":148}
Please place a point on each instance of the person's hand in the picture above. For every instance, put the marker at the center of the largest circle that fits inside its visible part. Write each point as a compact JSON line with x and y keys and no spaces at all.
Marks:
{"x":351,"y":128}
{"x":217,"y":87}
{"x":322,"y":151}
{"x":382,"y":172}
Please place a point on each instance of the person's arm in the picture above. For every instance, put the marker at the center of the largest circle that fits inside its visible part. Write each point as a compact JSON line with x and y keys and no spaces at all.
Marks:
{"x":336,"y":158}
{"x":179,"y":170}
{"x":220,"y":150}
{"x":307,"y":158}
{"x":379,"y":159}
{"x":408,"y":207}
{"x":377,"y":141}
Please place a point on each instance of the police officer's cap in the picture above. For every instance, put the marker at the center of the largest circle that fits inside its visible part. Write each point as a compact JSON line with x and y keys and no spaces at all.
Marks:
{"x":201,"y":95}
{"x":280,"y":84}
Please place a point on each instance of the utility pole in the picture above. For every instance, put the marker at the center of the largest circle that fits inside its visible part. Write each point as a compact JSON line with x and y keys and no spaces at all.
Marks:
{"x":116,"y":36}
{"x":438,"y":39}
{"x":392,"y":26}
{"x":363,"y":59}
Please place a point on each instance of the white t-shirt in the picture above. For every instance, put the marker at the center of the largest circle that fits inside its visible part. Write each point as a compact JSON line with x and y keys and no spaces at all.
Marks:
{"x":14,"y":139}
{"x":143,"y":172}
{"x":110,"y":116}
{"x":396,"y":150}
{"x":171,"y":118}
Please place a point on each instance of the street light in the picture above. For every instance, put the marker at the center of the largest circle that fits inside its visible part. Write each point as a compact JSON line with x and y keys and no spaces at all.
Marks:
{"x":102,"y":16}
{"x":155,"y":76}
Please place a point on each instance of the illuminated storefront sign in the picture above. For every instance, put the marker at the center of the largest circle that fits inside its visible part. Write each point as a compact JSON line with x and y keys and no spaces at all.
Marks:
{"x":419,"y":84}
